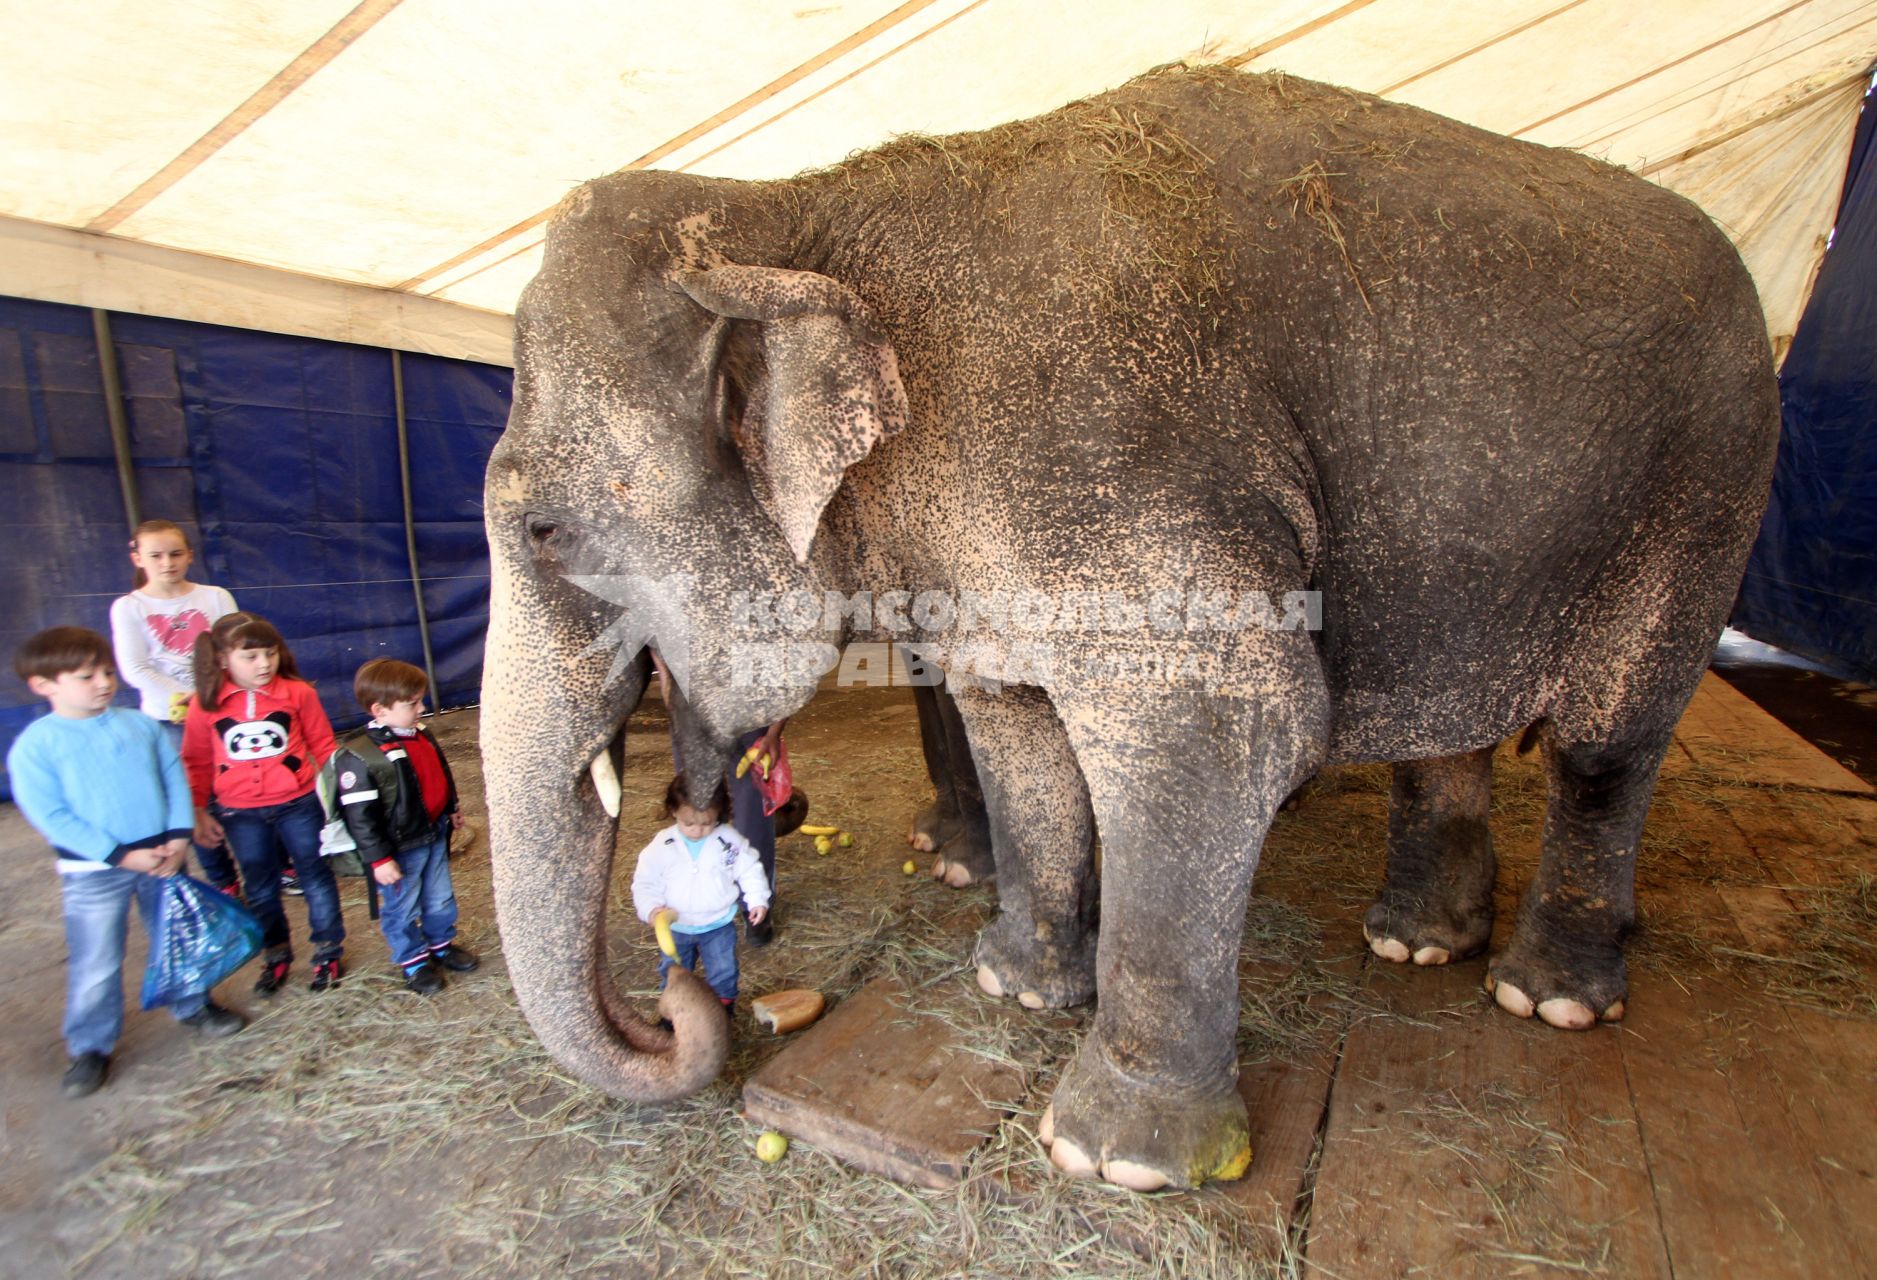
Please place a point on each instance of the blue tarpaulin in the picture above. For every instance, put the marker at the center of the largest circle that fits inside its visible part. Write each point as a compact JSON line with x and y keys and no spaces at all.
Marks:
{"x":1811,"y":586}
{"x":279,"y":457}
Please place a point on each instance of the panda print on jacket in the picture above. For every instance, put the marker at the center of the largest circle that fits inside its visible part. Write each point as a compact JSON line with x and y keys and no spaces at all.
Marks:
{"x":256,"y":739}
{"x":259,"y":747}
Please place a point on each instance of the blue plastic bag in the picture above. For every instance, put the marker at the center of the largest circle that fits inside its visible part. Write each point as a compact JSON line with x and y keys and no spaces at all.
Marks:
{"x":200,"y":936}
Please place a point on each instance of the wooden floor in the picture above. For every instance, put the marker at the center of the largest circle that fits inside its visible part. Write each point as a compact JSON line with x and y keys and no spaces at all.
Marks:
{"x":1728,"y":1128}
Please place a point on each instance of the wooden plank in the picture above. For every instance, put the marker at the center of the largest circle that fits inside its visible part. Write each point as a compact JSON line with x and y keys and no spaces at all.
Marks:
{"x":1717,"y":1079}
{"x":1462,"y":1142}
{"x":1285,"y":1101}
{"x":885,"y":1090}
{"x":1726,"y":732}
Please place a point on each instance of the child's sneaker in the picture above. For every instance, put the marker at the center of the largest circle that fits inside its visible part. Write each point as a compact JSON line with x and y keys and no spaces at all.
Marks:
{"x":454,"y":958}
{"x":326,"y":975}
{"x":424,"y":980}
{"x":214,"y":1021}
{"x":233,"y":890}
{"x":85,"y":1075}
{"x":290,"y":884}
{"x":273,"y":975}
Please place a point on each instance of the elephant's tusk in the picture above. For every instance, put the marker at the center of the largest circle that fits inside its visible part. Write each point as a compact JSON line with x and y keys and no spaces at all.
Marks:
{"x":606,"y":781}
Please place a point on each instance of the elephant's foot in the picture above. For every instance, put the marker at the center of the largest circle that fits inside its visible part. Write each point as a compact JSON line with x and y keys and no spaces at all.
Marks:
{"x":1104,"y":1124}
{"x":1573,"y":992}
{"x":1402,"y":928}
{"x":1040,"y":974}
{"x":933,"y":826}
{"x":963,"y":860}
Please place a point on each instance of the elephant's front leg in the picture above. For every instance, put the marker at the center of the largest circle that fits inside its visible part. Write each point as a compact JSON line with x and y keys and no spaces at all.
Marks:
{"x":1184,"y":787}
{"x":1041,"y":946}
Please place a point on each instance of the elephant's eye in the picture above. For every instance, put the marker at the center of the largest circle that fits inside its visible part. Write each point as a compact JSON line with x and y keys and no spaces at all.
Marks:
{"x":541,"y":530}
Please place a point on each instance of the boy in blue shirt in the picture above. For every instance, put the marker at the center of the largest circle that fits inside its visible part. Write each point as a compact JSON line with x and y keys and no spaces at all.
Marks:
{"x":106,"y":787}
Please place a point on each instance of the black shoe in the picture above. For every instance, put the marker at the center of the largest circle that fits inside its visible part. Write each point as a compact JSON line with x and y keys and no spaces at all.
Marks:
{"x":326,"y":975}
{"x":214,"y":1022}
{"x":290,"y":884}
{"x":273,"y":976}
{"x":761,"y":935}
{"x":454,"y":958}
{"x":424,"y":980}
{"x":85,"y":1075}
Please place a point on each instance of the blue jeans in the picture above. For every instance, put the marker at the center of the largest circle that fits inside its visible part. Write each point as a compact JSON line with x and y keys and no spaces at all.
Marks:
{"x":717,"y":949}
{"x":97,"y":916}
{"x":418,"y":913}
{"x":259,"y":838}
{"x":217,"y":867}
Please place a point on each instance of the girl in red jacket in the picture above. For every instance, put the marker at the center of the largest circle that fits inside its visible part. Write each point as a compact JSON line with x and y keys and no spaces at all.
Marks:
{"x":253,"y":743}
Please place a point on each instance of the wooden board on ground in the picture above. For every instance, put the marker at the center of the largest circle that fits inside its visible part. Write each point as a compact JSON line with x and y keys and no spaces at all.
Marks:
{"x":1462,"y":1142}
{"x":1728,"y":734}
{"x":885,"y":1090}
{"x":1728,"y":1094}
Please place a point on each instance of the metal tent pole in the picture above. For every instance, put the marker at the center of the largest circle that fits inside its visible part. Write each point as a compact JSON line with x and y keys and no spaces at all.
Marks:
{"x":114,"y":411}
{"x":410,"y":527}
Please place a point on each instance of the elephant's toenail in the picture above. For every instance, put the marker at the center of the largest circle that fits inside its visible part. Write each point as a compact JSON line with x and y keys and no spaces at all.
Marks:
{"x":1071,"y":1159}
{"x":938,"y":868}
{"x":1046,"y":1127}
{"x":1567,"y":1014}
{"x":1135,"y":1177}
{"x":1615,"y":1012}
{"x":1029,"y":1000}
{"x":1432,"y":955}
{"x":987,"y":978}
{"x":1390,"y":949}
{"x":958,"y":875}
{"x":1512,"y":1000}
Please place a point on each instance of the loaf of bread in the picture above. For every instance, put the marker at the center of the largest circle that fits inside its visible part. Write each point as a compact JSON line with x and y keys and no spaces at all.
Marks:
{"x":786,"y":1011}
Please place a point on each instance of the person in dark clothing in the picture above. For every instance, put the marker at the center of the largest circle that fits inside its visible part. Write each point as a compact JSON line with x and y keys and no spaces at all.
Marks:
{"x":398,"y":799}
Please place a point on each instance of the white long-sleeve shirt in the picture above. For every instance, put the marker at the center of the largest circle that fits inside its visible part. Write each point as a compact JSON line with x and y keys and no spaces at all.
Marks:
{"x":700,"y":885}
{"x":155,"y":641}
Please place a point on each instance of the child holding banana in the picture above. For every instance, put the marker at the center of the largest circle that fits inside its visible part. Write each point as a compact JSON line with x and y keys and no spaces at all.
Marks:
{"x":697,"y":868}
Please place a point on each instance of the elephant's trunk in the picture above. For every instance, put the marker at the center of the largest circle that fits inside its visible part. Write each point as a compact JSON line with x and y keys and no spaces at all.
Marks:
{"x":551,"y":841}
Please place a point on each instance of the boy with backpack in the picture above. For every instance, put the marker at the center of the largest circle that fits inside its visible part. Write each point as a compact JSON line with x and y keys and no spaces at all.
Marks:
{"x":392,"y":787}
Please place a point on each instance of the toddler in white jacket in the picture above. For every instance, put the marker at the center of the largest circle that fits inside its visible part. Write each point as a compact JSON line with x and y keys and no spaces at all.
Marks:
{"x":699,"y":866}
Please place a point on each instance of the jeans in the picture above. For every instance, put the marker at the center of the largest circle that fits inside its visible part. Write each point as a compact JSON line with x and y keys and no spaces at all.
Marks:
{"x":717,"y":949}
{"x":97,"y":916}
{"x":418,"y":913}
{"x":217,"y":867}
{"x":258,"y":837}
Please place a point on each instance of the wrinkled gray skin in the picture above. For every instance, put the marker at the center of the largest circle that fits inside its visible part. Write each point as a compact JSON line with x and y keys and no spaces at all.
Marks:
{"x":1510,"y":410}
{"x":955,"y":826}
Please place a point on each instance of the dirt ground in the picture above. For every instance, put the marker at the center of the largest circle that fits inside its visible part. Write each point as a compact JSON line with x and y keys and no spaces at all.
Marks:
{"x":371,"y":1132}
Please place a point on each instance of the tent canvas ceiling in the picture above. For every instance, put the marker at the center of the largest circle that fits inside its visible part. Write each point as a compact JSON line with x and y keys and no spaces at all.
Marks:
{"x":381,"y":172}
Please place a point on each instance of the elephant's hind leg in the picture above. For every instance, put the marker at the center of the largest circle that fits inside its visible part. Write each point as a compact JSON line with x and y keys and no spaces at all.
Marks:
{"x":1436,"y":904}
{"x":1565,"y":960}
{"x":955,"y":826}
{"x":1041,"y":946}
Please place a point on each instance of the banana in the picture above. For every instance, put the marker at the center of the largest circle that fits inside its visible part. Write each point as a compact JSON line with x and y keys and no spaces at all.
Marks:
{"x":809,"y":830}
{"x":661,"y":925}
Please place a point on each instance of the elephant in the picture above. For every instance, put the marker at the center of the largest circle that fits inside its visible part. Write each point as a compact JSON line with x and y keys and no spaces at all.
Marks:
{"x":1228,"y":425}
{"x":956,"y":826}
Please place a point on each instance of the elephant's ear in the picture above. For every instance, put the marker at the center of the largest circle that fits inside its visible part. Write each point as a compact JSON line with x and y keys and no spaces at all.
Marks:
{"x":830,"y":392}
